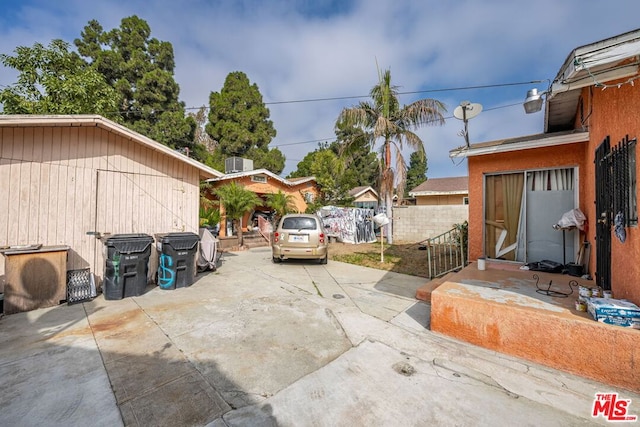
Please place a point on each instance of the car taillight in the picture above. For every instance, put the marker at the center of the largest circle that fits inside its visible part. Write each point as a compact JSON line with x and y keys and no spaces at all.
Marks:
{"x":321,"y":237}
{"x":276,"y":237}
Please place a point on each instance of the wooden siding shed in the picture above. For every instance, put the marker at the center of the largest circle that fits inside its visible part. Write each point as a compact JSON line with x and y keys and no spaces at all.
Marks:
{"x":69,"y":180}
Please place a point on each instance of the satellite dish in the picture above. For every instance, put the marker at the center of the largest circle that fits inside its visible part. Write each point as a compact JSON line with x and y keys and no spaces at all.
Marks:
{"x":467,"y":110}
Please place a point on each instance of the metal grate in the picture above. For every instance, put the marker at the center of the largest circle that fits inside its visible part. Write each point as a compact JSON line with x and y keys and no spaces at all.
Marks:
{"x":80,"y":286}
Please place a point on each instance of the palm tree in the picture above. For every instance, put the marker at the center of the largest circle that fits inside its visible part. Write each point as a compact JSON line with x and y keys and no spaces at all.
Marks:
{"x":384,"y":119}
{"x":237,"y":201}
{"x":282,"y":204}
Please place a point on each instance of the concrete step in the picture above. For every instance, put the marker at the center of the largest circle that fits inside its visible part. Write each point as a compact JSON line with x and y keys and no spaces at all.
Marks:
{"x":423,"y":293}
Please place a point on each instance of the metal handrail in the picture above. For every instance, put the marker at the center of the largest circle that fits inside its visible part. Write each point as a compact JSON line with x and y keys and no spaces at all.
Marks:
{"x":265,"y":228}
{"x":445,"y":253}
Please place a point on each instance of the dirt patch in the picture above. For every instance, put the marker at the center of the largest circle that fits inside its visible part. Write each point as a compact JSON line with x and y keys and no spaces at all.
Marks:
{"x":401,"y":258}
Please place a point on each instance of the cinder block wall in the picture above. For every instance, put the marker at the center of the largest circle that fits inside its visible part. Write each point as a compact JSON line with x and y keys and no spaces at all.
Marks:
{"x":417,"y":223}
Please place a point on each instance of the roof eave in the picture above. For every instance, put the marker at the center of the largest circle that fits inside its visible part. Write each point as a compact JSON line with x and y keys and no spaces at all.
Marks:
{"x":572,"y":138}
{"x":104,"y":123}
{"x":267,"y":172}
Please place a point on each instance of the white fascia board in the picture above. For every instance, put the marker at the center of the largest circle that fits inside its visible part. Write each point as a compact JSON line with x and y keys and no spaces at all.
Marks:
{"x":607,"y":76}
{"x":255,"y":172}
{"x":523,"y":145}
{"x":360,"y":193}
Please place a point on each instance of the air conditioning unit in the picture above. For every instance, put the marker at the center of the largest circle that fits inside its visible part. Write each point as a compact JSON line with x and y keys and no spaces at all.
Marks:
{"x":237,"y":164}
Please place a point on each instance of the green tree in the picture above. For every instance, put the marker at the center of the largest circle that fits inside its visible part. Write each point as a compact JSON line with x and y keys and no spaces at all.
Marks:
{"x":282,"y":203}
{"x":329,"y":172}
{"x":140,"y":68}
{"x":417,"y":172}
{"x":387,"y":122}
{"x":53,"y":80}
{"x":237,"y":201}
{"x":305,"y":166}
{"x":239,"y":122}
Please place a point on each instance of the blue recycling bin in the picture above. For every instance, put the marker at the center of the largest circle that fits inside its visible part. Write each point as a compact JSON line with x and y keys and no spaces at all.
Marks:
{"x":177,"y":259}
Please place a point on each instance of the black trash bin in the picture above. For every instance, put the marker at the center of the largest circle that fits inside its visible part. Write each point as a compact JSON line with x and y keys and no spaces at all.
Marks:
{"x":177,"y":260}
{"x":126,"y":266}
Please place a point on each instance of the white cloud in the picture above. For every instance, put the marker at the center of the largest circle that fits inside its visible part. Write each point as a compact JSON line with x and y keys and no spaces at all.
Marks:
{"x":296,"y":50}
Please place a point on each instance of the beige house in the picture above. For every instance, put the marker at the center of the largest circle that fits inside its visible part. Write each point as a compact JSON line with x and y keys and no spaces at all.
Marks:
{"x":442,"y":191}
{"x":364,"y":197}
{"x":70,"y":180}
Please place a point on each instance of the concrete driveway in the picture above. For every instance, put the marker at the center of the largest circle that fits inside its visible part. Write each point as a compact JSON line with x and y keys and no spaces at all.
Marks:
{"x":256,"y":343}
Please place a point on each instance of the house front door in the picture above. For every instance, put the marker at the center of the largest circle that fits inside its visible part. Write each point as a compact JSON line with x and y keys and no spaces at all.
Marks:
{"x":604,"y":215}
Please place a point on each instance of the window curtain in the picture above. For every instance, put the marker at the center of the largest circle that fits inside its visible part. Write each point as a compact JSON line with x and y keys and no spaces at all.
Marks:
{"x":551,"y":180}
{"x":512,"y":187}
{"x":503,"y":204}
{"x":490,"y":216}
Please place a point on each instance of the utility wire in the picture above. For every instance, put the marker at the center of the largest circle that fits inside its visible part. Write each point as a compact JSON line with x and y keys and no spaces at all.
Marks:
{"x":452,"y":89}
{"x":333,"y":137}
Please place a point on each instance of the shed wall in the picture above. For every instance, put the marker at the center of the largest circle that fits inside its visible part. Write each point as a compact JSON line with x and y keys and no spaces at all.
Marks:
{"x":60,"y":183}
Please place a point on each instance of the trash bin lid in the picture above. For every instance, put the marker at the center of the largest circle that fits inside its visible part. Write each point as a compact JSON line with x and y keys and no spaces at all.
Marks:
{"x":129,"y":243}
{"x":179,"y":241}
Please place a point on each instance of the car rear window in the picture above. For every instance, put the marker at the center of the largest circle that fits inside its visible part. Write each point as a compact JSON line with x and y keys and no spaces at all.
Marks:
{"x":299,"y":224}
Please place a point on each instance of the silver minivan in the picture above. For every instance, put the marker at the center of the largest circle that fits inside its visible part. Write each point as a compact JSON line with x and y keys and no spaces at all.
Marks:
{"x":300,"y":236}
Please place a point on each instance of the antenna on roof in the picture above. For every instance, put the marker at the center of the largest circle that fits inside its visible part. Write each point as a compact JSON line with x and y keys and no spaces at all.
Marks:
{"x":465,"y":111}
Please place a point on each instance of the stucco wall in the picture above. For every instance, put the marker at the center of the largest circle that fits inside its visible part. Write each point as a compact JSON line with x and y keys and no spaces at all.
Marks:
{"x":569,"y":155}
{"x":417,"y":223}
{"x":604,"y":113}
{"x":614,"y":113}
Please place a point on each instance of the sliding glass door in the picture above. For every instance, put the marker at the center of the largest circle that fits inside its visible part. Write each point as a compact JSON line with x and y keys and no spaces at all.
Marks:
{"x":520,"y":211}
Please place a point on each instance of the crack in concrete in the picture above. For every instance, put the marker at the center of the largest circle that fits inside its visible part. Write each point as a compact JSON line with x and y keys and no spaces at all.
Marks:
{"x":463,"y":371}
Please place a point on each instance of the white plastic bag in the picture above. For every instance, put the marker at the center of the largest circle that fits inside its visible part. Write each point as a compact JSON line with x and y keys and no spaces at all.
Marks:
{"x":573,"y":218}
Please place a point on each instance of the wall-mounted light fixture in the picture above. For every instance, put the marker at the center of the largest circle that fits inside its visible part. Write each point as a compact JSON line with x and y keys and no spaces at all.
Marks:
{"x":533,"y":101}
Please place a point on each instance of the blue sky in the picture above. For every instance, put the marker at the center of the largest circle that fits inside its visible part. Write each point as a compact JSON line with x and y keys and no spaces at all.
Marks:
{"x":299,"y":50}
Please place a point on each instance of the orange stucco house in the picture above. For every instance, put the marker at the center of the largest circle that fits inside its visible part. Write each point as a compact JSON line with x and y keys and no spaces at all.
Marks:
{"x":262,"y":182}
{"x":586,"y":159}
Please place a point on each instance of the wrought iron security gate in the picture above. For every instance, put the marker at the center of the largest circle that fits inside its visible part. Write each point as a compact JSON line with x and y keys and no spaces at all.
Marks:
{"x":615,"y":200}
{"x":603,"y":212}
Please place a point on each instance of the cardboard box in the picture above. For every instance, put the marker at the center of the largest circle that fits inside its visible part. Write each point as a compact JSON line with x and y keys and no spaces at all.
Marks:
{"x":609,"y":307}
{"x":626,"y":322}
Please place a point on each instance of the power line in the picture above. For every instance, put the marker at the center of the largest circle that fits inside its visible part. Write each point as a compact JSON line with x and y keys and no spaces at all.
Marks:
{"x":341,"y":98}
{"x":333,"y":137}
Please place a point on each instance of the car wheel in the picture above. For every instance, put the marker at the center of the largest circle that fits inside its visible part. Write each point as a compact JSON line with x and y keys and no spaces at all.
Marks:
{"x":276,"y":260}
{"x":324,"y":260}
